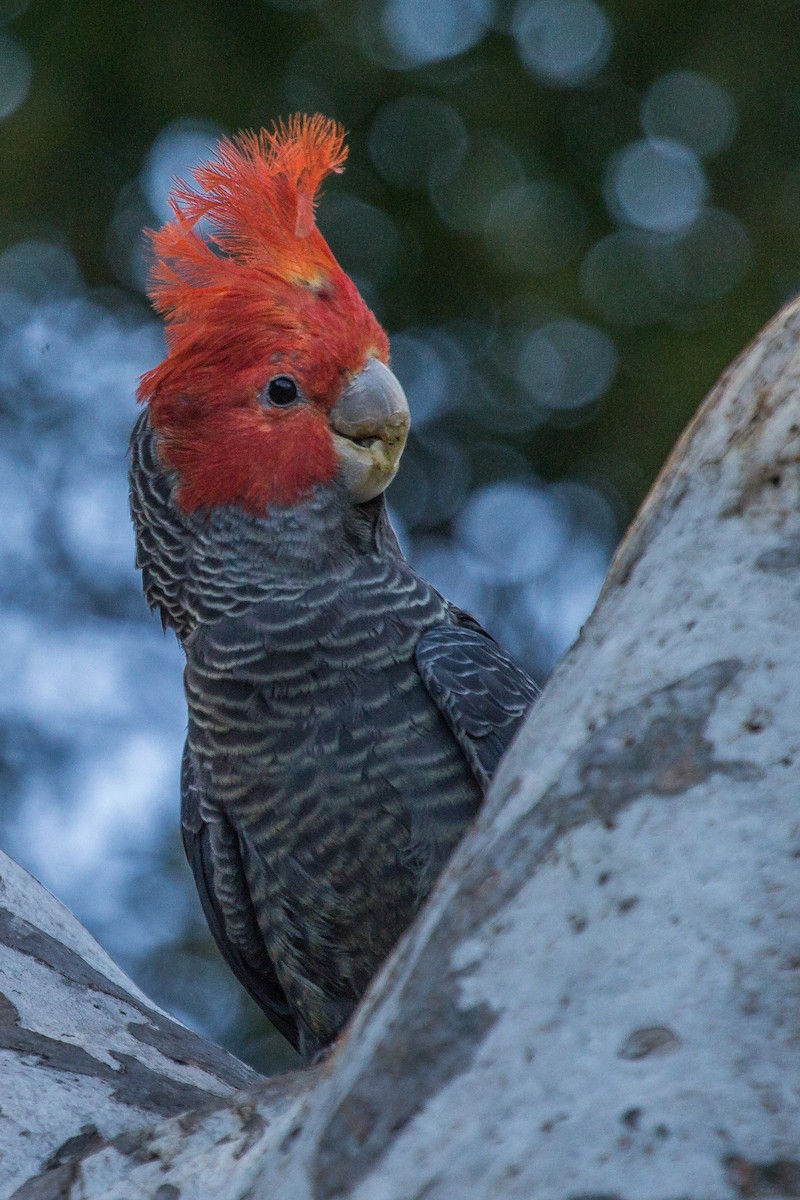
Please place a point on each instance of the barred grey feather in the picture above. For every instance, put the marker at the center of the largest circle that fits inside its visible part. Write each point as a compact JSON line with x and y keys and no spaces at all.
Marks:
{"x":344,"y":721}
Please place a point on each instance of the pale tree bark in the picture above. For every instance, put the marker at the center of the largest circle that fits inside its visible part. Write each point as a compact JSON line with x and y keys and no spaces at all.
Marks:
{"x":602,"y":998}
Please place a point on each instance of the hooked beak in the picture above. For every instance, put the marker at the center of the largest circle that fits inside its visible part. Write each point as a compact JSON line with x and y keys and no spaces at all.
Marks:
{"x":370,"y":426}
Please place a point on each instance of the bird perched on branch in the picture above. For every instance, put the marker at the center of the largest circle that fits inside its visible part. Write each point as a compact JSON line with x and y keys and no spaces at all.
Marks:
{"x":344,"y":718}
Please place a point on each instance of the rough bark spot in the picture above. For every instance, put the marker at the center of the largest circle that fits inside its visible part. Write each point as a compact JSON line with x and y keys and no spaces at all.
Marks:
{"x":594,"y":1196}
{"x":253,"y":1126}
{"x":656,"y":747}
{"x":136,"y":1145}
{"x":778,"y":1178}
{"x":167,"y":1036}
{"x":758,"y":720}
{"x":83,"y":1143}
{"x":61,"y":1169}
{"x":54,"y":1185}
{"x":656,"y":1039}
{"x":762,"y":478}
{"x":780,"y":558}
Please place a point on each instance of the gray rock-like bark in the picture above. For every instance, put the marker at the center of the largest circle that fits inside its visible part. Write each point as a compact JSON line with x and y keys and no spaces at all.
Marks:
{"x":602,"y":997}
{"x":84,"y":1055}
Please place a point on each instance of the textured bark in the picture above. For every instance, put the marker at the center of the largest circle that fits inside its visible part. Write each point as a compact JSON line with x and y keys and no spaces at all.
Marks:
{"x":602,"y":998}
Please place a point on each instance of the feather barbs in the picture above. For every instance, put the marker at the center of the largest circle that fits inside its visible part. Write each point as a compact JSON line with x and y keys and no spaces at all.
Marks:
{"x":251,"y":208}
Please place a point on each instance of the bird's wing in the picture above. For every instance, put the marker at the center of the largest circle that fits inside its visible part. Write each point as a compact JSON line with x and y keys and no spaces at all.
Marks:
{"x":212,"y":848}
{"x":164,"y":537}
{"x":482,"y":694}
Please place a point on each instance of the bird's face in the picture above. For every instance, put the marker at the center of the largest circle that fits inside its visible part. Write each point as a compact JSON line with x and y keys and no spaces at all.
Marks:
{"x":276,"y":378}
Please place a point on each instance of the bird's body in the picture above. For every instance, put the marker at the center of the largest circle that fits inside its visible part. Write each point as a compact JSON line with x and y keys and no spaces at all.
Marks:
{"x":344,"y":718}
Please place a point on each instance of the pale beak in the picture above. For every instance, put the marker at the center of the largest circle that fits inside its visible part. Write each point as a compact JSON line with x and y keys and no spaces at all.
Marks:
{"x":370,"y":426}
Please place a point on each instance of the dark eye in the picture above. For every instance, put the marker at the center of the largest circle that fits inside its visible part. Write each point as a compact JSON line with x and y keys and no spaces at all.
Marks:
{"x":282,"y":390}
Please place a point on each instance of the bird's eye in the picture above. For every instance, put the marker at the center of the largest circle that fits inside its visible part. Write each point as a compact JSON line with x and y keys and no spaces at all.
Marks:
{"x":282,"y":390}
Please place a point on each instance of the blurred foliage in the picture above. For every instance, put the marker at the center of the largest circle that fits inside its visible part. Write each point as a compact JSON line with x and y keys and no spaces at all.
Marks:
{"x":107,"y":81}
{"x":569,"y":215}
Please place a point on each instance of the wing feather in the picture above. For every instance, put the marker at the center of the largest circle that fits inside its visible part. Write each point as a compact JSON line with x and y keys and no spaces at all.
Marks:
{"x":482,"y":694}
{"x":212,"y":848}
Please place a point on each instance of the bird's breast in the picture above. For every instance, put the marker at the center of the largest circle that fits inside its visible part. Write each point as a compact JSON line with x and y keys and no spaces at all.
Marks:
{"x":318,"y":709}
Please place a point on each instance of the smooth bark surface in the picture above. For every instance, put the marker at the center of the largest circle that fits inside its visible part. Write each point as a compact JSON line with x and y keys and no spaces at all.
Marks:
{"x":603,"y":995}
{"x":84,"y":1055}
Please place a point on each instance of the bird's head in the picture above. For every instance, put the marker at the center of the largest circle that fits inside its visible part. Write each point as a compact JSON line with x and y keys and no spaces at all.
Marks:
{"x":276,"y":377}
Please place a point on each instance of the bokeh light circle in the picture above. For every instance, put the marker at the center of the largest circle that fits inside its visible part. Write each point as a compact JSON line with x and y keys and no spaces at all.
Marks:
{"x":687,"y":107}
{"x":536,"y":227}
{"x":707,"y":262}
{"x":416,"y":140}
{"x":617,"y":280}
{"x":656,"y":184}
{"x":331,"y":76}
{"x":39,"y":270}
{"x":363,"y":237}
{"x":513,"y":531}
{"x":92,"y":517}
{"x":566,"y":364}
{"x":433,"y":371}
{"x":177,"y":150}
{"x":428,"y":31}
{"x":562,"y":42}
{"x":488,"y":167}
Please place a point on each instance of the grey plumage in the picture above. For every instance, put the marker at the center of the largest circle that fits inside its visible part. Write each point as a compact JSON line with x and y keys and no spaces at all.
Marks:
{"x":344,"y":721}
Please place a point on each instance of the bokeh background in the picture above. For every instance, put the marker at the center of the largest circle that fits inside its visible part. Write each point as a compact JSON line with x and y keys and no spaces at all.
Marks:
{"x":569,"y":215}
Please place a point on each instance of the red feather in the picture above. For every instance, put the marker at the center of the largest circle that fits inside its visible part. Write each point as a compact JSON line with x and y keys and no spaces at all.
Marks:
{"x":255,"y":292}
